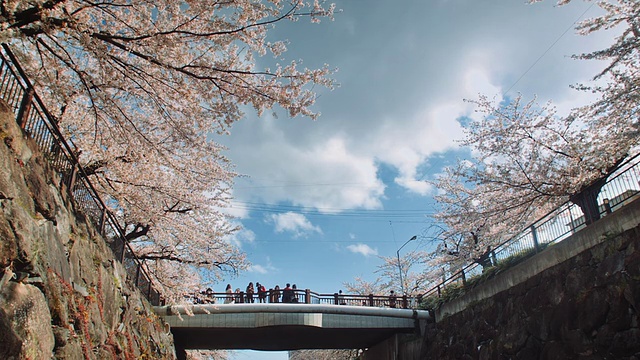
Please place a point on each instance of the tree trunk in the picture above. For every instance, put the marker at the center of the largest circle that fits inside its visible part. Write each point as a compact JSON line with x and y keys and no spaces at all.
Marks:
{"x":587,"y":197}
{"x":587,"y":200}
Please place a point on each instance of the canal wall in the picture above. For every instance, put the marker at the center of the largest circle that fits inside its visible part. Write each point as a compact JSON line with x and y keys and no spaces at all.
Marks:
{"x":62,"y":293}
{"x":579,"y":298}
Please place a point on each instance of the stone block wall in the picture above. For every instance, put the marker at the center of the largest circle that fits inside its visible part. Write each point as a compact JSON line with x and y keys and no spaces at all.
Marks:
{"x":62,"y":294}
{"x":586,"y":307}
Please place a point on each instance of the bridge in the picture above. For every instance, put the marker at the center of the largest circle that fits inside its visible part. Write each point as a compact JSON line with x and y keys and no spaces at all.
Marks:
{"x":288,"y":326}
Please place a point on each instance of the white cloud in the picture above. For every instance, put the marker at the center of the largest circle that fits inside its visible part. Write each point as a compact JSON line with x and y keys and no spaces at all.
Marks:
{"x":322,"y":173}
{"x":363,"y":249}
{"x":399,"y":106}
{"x":258,"y":269}
{"x":433,"y":128}
{"x":240,"y":237}
{"x":265,"y":268}
{"x":294,"y":223}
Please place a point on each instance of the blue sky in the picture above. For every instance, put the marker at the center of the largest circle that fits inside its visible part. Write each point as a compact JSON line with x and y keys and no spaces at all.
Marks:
{"x":323,"y":199}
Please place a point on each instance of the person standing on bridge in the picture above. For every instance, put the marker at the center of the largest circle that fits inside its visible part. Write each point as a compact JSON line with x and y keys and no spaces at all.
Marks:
{"x":287,"y":294}
{"x":250,"y":291}
{"x":262,"y":293}
{"x":392,"y":299}
{"x":229,"y":298}
{"x":341,"y":298}
{"x":209,"y":298}
{"x":239,"y":296}
{"x":275,"y":294}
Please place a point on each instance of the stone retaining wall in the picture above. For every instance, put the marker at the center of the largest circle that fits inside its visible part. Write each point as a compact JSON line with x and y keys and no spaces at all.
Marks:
{"x":585,"y":307}
{"x":62,"y":295}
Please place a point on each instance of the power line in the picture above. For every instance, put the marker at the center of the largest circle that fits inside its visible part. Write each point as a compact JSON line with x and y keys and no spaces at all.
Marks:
{"x":292,"y":185}
{"x":332,"y":212}
{"x":548,"y":49}
{"x":320,"y":209}
{"x":315,"y":242}
{"x":393,"y":233}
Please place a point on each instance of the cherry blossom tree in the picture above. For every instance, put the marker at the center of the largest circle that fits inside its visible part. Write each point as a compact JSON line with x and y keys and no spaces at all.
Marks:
{"x":527,"y":159}
{"x":412,"y":265}
{"x":208,"y":354}
{"x":360,"y":286}
{"x":449,"y":252}
{"x":142,"y":88}
{"x":330,"y":354}
{"x":615,"y":114}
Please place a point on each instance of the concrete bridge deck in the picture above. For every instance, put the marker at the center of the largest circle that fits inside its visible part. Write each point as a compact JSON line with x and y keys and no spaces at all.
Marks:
{"x":287,"y":326}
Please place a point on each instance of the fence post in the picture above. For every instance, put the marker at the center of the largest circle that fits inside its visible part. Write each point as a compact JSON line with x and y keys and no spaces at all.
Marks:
{"x":307,"y":296}
{"x":137,"y":275}
{"x":335,"y":299}
{"x":370,"y":299}
{"x":573,"y":229}
{"x":534,"y":234}
{"x":607,"y":206}
{"x":405,"y":302}
{"x":103,"y":220}
{"x":72,"y":178}
{"x":122,"y":245}
{"x":25,"y":107}
{"x":464,"y":278}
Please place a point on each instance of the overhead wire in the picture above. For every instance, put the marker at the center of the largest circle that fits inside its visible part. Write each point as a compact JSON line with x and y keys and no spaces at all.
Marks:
{"x":402,"y":215}
{"x":572,"y":26}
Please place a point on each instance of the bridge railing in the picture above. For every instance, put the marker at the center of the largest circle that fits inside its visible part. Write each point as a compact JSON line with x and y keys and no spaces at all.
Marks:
{"x":622,"y":187}
{"x":305,"y":296}
{"x":34,"y":119}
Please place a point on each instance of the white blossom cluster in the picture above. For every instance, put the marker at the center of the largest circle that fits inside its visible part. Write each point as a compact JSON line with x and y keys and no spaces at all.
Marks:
{"x":140,"y":87}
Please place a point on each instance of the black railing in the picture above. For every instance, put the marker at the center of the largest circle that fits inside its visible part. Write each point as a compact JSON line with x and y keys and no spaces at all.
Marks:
{"x":622,"y":187}
{"x":304,"y":297}
{"x":32,"y":116}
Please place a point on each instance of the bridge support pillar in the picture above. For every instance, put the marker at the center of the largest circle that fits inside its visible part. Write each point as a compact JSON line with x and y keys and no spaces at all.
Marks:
{"x":385,"y":350}
{"x":397,"y":347}
{"x":181,"y":352}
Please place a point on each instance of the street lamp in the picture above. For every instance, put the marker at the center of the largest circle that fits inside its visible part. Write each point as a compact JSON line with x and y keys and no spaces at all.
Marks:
{"x":399,"y":266}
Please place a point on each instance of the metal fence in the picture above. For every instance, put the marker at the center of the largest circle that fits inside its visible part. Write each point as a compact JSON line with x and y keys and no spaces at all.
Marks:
{"x":623,"y":186}
{"x":304,"y":297}
{"x":32,"y":116}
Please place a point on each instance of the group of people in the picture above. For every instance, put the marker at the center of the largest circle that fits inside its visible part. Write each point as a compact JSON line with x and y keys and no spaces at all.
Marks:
{"x":252,"y":294}
{"x":205,"y":297}
{"x":289,"y":294}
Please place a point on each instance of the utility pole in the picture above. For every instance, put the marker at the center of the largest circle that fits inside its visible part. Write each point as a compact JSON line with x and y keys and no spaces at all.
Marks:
{"x":400,"y":266}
